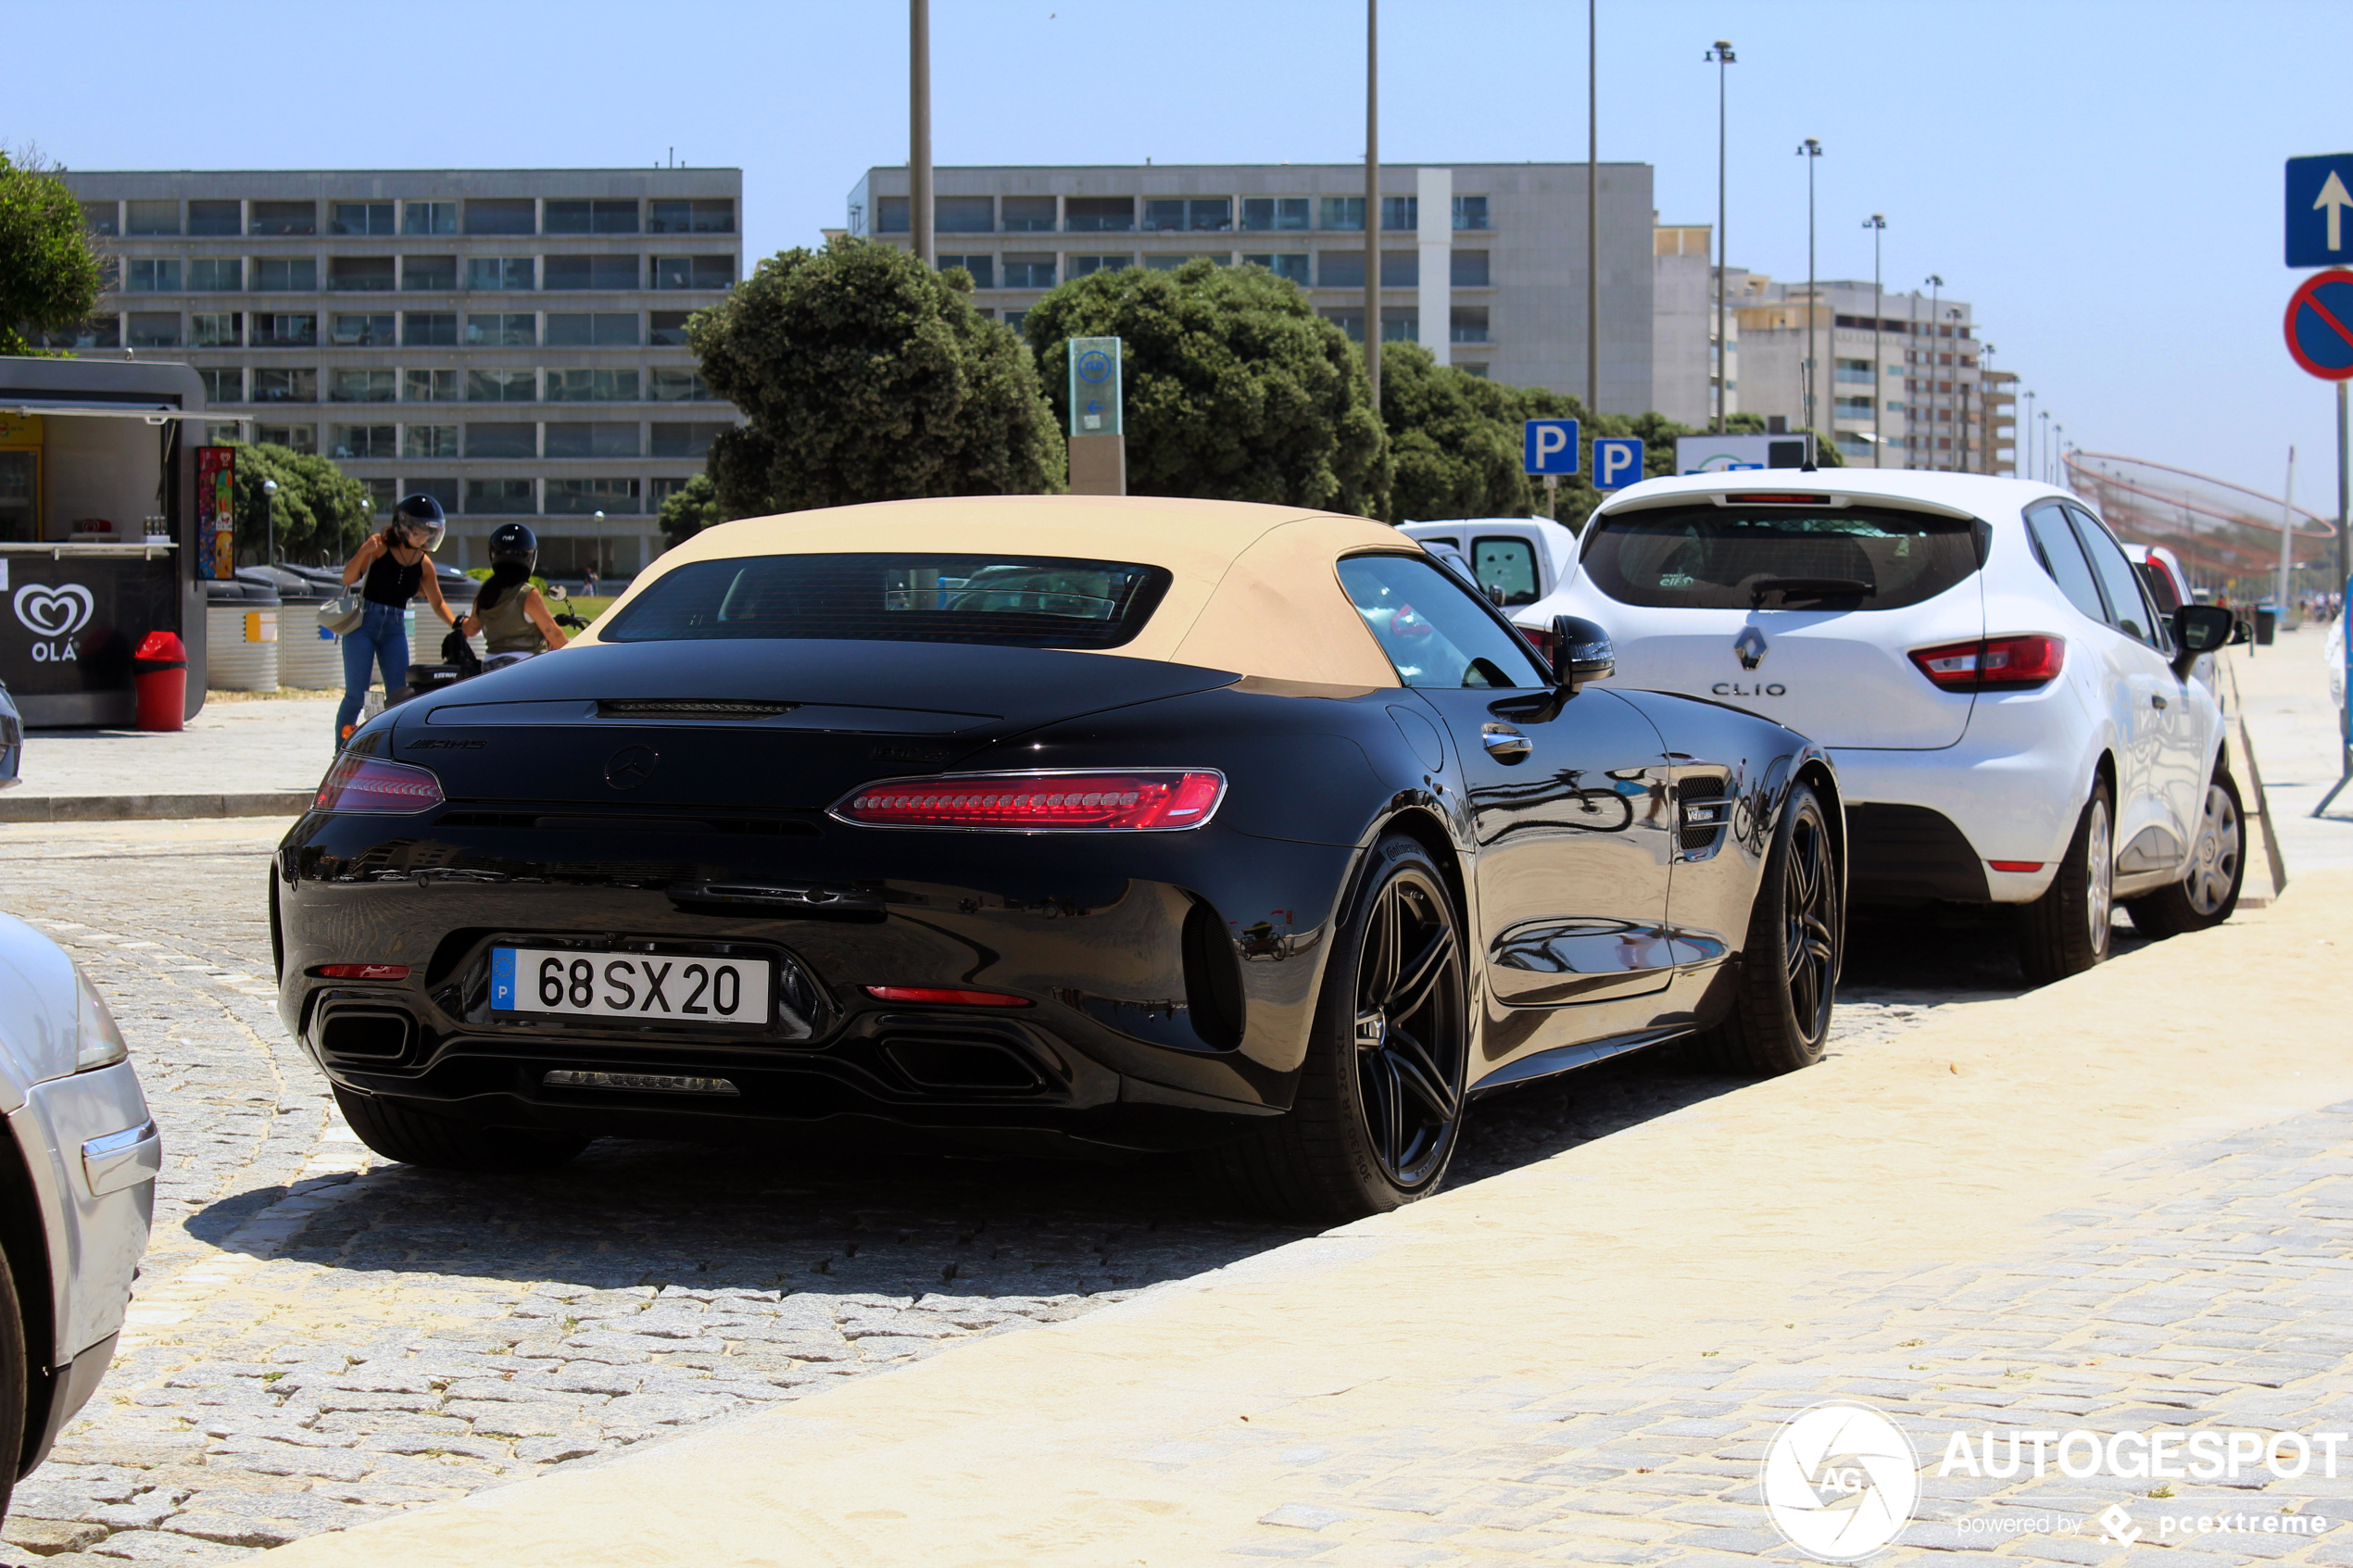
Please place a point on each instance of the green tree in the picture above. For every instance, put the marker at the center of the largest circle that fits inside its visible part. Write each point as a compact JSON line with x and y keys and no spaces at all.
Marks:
{"x":688,"y":510}
{"x":322,"y":513}
{"x":1453,"y":449}
{"x":866,"y":376}
{"x":1235,"y":389}
{"x":49,"y":277}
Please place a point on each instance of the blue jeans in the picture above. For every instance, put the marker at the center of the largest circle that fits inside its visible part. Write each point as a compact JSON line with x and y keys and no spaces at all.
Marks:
{"x":381,"y":638}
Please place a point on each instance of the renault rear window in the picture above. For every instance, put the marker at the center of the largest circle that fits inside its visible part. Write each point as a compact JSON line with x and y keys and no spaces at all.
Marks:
{"x":1763,"y":557}
{"x":1016,"y":601}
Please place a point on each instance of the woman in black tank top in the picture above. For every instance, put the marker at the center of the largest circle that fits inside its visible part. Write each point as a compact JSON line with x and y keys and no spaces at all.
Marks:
{"x":389,"y":570}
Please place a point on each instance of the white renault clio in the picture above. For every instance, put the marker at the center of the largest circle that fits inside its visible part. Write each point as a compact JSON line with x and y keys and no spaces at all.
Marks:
{"x":2013,"y":720}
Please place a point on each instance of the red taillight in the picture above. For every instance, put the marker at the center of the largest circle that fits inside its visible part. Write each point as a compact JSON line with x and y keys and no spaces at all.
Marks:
{"x":1038,"y":802}
{"x":1994,"y":664}
{"x":370,"y":783}
{"x":1775,"y":498}
{"x":2015,"y":865}
{"x":361,"y":972}
{"x":933,"y":995}
{"x":1541,"y":639}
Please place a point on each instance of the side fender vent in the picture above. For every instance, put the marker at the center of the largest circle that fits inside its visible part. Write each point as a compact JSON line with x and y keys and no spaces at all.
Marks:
{"x":1704,"y":811}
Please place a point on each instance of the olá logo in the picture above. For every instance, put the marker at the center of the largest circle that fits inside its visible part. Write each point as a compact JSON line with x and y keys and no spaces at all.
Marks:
{"x":52,"y":613}
{"x":1840,"y":1481}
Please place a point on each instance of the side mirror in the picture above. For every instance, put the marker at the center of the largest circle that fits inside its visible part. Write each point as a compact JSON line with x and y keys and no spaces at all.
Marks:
{"x":1582,"y":653}
{"x":2201,"y":628}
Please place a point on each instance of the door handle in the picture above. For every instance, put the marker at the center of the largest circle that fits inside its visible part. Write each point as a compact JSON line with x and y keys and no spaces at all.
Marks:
{"x":1505,"y":744}
{"x":2158,"y":700}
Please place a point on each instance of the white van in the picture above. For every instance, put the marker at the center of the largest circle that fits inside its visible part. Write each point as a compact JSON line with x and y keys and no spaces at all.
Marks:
{"x":1516,"y":559}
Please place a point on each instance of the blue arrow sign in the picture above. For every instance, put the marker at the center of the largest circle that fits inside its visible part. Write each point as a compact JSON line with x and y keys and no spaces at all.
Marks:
{"x":1617,"y":461}
{"x":2319,"y":229}
{"x":1550,"y":446}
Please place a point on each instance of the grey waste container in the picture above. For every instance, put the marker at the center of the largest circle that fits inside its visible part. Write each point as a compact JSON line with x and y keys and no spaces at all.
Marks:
{"x":241,"y":636}
{"x":308,"y":660}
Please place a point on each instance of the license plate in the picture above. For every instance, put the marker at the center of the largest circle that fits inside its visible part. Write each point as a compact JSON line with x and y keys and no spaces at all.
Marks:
{"x":677,"y":987}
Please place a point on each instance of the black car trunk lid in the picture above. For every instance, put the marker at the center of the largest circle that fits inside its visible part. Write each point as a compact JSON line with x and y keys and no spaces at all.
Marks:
{"x":751,"y":725}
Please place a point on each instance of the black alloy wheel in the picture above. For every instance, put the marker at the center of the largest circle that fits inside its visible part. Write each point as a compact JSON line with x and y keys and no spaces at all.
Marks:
{"x":1378,"y":1109}
{"x":1788,"y":970}
{"x":1409,"y":1031}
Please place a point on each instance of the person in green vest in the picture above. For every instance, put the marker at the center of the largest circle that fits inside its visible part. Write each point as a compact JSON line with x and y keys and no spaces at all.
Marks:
{"x":512,"y":615}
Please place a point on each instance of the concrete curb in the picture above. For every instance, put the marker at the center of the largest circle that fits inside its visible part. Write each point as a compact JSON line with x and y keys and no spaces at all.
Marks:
{"x":123,"y":807}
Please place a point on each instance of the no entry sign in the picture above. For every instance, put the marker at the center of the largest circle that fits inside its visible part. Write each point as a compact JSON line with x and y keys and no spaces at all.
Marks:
{"x":2320,"y":325}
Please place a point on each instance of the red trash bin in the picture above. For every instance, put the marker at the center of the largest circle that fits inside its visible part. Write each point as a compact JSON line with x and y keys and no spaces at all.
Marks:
{"x":159,"y":675}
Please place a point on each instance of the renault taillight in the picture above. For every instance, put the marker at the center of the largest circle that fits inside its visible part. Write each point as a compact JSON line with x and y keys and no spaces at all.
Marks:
{"x":371,"y":784}
{"x":1994,"y":664}
{"x":1145,"y":801}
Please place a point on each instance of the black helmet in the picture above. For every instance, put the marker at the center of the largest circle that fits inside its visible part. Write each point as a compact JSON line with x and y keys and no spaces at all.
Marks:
{"x":423,"y":514}
{"x":513,"y":543}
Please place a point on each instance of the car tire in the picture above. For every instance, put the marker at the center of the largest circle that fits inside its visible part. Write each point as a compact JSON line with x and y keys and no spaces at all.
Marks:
{"x":1789,"y":967}
{"x":415,"y":1137}
{"x":16,"y":1413}
{"x":1380,"y":1104}
{"x":2208,"y":893}
{"x":2067,"y":930}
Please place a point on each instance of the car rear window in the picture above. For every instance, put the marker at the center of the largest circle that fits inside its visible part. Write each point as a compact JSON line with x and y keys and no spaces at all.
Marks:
{"x":1779,"y":556}
{"x":1019,"y":601}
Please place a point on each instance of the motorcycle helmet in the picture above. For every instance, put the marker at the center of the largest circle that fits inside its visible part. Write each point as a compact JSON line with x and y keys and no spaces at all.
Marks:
{"x":513,"y":543}
{"x":421,"y":515}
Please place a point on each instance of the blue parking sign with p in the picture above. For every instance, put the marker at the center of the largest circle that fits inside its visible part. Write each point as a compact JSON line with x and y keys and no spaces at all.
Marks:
{"x":1617,"y":461}
{"x":1551,"y":447}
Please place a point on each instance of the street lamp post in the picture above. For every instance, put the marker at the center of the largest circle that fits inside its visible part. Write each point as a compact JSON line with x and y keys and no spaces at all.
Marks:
{"x":2059,"y":453}
{"x":1372,"y":199}
{"x":2026,"y":469}
{"x":1877,"y":224}
{"x":2043,"y":469}
{"x":919,"y":128}
{"x":1810,"y":149}
{"x":1960,"y":393}
{"x":269,"y":520}
{"x":1721,"y":55}
{"x":1935,"y":333}
{"x":1592,"y":214}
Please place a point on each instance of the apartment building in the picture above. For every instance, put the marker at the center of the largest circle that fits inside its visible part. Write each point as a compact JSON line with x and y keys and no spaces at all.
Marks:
{"x":509,"y":341}
{"x":1483,"y":264}
{"x":1902,"y":380}
{"x":1684,"y":346}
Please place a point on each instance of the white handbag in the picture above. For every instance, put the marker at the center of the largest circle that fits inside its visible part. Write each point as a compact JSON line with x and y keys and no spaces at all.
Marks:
{"x":343,"y":613}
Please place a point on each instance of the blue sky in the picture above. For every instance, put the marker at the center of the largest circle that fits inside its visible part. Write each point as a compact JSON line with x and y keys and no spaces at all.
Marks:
{"x":2100,"y":179}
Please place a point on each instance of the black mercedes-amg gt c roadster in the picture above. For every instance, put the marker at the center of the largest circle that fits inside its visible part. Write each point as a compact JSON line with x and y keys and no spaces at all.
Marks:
{"x":1048,"y":821}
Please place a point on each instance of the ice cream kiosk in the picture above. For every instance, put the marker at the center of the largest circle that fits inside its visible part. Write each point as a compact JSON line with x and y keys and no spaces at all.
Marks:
{"x":100,"y":542}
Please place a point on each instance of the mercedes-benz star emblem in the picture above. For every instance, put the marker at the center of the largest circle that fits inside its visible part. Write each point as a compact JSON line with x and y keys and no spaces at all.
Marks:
{"x":1750,"y":646}
{"x":631,"y":766}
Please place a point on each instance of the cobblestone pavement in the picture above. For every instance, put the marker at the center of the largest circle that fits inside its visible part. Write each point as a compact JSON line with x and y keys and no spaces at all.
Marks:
{"x":321,"y":1339}
{"x":2210,"y":1288}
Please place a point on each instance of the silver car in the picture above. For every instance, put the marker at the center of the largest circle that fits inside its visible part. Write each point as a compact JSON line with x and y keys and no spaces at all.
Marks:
{"x":77,"y":1189}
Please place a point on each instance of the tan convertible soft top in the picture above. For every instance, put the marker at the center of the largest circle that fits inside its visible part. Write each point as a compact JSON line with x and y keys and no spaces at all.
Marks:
{"x":1253,"y":587}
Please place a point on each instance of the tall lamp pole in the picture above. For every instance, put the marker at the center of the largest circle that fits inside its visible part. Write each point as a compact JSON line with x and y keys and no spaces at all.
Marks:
{"x":1810,"y":149}
{"x":1935,"y":335}
{"x":919,"y":127}
{"x":1721,"y":55}
{"x":1593,"y":215}
{"x":1372,"y":198}
{"x":2058,"y":472}
{"x":269,"y":520}
{"x":2042,"y":468}
{"x":1984,"y":401}
{"x":2026,"y":469}
{"x":1877,"y":224}
{"x":1960,"y":393}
